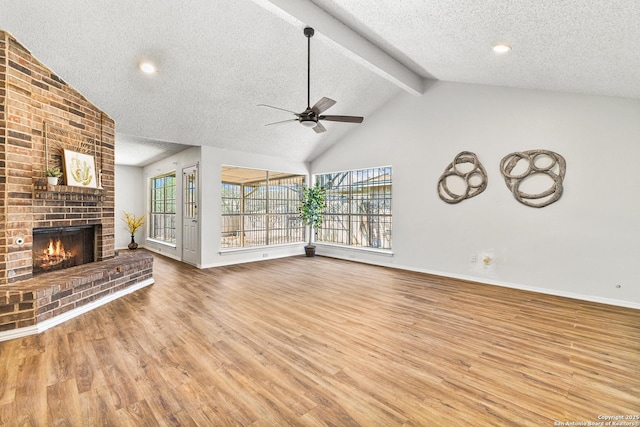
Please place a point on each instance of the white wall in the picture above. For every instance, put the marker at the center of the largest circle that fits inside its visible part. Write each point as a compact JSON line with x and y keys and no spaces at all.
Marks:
{"x":210,"y":162}
{"x":130,"y":197}
{"x":584,"y":245}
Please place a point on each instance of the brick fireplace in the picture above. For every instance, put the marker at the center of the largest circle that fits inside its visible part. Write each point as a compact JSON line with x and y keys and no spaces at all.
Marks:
{"x":40,"y":117}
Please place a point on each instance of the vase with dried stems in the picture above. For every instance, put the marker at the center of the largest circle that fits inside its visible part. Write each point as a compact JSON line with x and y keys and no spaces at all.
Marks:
{"x":133,"y":223}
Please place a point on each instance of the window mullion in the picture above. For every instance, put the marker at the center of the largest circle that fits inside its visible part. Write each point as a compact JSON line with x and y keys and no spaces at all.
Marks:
{"x":242,"y":215}
{"x":266,"y":209}
{"x":349,"y":204}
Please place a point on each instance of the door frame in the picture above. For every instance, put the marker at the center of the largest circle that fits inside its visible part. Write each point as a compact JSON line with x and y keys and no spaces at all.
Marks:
{"x":196,"y":167}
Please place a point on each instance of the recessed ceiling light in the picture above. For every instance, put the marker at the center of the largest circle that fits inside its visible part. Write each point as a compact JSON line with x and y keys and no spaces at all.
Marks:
{"x":501,"y":48}
{"x":147,"y":67}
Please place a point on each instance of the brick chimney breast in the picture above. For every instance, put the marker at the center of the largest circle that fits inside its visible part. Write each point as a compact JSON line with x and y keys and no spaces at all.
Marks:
{"x":34,"y":101}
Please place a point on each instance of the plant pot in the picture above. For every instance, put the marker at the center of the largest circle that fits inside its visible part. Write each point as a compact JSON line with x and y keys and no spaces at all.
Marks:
{"x":52,"y":180}
{"x":310,"y":250}
{"x":133,"y":245}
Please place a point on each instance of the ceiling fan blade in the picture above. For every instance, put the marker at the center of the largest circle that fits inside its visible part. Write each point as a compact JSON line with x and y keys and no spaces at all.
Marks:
{"x":348,"y":119}
{"x":278,"y":108}
{"x":283,"y":121}
{"x":319,"y":128}
{"x":323,"y":105}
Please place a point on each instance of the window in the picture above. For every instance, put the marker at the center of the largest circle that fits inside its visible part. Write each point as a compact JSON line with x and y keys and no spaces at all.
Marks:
{"x":358,"y":208}
{"x":260,"y":208}
{"x":163,"y":208}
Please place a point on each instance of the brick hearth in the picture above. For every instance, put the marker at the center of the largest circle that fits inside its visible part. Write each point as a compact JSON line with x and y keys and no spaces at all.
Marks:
{"x":34,"y":302}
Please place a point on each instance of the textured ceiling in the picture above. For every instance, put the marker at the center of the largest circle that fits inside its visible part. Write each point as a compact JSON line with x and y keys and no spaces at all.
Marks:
{"x":218,"y":59}
{"x":565,"y":45}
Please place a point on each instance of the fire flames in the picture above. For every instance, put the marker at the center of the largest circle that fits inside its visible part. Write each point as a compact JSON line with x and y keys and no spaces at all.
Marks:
{"x":54,"y":254}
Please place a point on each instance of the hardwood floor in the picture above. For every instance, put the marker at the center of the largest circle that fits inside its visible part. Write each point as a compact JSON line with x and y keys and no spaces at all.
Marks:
{"x":302,"y":341}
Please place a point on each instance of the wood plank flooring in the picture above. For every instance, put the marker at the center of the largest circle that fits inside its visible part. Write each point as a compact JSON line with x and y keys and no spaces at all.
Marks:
{"x":323,"y":342}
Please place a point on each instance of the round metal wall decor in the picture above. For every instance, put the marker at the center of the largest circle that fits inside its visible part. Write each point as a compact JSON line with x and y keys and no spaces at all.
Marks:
{"x":520,"y":167}
{"x":466,"y":169}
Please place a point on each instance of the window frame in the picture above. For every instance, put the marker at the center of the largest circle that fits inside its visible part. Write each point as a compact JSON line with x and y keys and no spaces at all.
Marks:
{"x":168,"y":218}
{"x":269,"y":215}
{"x":344,"y":212}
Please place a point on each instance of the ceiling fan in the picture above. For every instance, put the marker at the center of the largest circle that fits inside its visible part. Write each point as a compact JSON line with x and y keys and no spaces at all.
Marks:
{"x":312,"y":115}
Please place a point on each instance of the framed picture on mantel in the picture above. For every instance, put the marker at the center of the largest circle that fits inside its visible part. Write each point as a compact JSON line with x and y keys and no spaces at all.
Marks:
{"x":79,"y":169}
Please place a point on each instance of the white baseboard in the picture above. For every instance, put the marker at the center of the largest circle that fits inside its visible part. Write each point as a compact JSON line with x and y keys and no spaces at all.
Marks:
{"x":590,"y":298}
{"x":554,"y":292}
{"x":166,"y":254}
{"x":54,"y":321}
{"x":18,"y":333}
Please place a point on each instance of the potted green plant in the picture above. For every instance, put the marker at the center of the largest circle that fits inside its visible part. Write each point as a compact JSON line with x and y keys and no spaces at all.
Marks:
{"x":311,"y":209}
{"x":53,"y":174}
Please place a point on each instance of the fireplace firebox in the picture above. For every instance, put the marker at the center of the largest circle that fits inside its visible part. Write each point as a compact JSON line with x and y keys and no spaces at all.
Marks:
{"x":62,"y":247}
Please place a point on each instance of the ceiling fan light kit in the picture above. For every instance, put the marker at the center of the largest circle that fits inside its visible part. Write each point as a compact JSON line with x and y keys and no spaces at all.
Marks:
{"x":311,"y":115}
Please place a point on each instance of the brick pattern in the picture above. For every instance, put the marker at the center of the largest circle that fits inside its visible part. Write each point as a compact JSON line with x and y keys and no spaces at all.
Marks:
{"x":3,"y":169}
{"x":30,"y":96}
{"x":17,"y":309}
{"x":35,"y":300}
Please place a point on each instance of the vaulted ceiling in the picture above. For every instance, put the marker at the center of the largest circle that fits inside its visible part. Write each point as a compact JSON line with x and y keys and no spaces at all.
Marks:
{"x":218,"y":59}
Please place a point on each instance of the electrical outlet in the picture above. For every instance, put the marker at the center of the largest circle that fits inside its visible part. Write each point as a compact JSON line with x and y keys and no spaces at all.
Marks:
{"x":474,"y":258}
{"x":265,"y":255}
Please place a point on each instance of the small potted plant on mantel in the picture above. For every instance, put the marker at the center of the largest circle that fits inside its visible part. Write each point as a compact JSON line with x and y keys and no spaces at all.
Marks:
{"x":53,"y":175}
{"x":311,"y":210}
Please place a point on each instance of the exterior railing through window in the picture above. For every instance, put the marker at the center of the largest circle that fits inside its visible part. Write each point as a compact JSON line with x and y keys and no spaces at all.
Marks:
{"x":260,"y":208}
{"x":358,"y":208}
